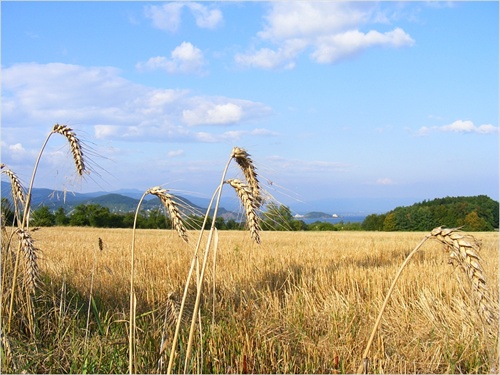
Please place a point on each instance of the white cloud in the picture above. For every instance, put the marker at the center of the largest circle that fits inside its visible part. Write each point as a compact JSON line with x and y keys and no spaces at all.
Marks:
{"x":106,"y":131}
{"x":185,"y":58}
{"x":216,"y":114}
{"x":113,"y":107}
{"x":268,"y":58}
{"x":167,"y":17}
{"x":303,"y":19}
{"x":329,"y":29}
{"x":460,"y":126}
{"x":332,"y":48}
{"x":205,"y":18}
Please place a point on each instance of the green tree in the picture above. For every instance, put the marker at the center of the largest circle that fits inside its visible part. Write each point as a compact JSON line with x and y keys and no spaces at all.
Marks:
{"x":390,"y":224}
{"x":42,"y":217}
{"x":373,"y":222}
{"x":93,"y":215}
{"x":473,"y":222}
{"x":60,"y":217}
{"x":278,"y":218}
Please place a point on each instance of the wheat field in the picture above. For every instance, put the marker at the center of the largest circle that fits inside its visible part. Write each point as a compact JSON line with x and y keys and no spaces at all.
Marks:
{"x":300,"y":302}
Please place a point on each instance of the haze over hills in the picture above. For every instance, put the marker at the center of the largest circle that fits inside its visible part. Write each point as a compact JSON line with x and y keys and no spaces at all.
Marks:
{"x":126,"y":200}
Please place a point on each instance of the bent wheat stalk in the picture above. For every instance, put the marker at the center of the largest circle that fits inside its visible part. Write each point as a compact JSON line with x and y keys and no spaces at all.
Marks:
{"x":243,"y":159}
{"x":463,"y":250}
{"x":76,"y":150}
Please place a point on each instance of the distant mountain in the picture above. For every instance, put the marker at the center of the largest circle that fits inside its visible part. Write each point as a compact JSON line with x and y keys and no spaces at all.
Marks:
{"x":125,"y":202}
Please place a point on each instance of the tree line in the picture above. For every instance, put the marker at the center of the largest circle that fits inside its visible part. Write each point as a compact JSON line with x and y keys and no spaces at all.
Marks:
{"x":275,"y":217}
{"x":478,"y":213}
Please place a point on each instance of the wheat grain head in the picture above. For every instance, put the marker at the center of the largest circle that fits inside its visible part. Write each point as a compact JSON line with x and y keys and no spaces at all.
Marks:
{"x":463,"y":251}
{"x":251,"y":205}
{"x":243,"y":159}
{"x":30,"y":259}
{"x":75,"y":145}
{"x":175,"y":215}
{"x":17,"y":188}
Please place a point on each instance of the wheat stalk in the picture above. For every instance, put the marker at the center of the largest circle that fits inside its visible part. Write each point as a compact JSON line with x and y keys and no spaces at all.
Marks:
{"x":243,"y":159}
{"x":30,"y":257}
{"x":251,"y":206}
{"x":173,"y":210}
{"x":75,"y":145}
{"x":463,"y":251}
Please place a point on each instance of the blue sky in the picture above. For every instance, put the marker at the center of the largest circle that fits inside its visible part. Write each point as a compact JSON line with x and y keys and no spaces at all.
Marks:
{"x":389,"y":102}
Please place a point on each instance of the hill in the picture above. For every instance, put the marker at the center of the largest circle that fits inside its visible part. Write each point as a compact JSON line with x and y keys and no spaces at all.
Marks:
{"x":476,"y":213}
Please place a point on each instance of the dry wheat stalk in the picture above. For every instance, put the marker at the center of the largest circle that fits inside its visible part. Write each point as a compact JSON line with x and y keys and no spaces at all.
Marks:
{"x":7,"y":351}
{"x":75,"y":145}
{"x":171,"y":205}
{"x":463,"y":250}
{"x":246,"y":164}
{"x":30,"y":258}
{"x":17,"y":188}
{"x":251,"y":206}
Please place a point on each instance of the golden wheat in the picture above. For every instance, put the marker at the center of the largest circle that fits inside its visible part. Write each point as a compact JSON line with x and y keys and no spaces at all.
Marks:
{"x":463,"y":250}
{"x":251,"y":206}
{"x":17,"y":188}
{"x":242,"y":158}
{"x":75,"y":145}
{"x":30,"y":257}
{"x":171,"y":206}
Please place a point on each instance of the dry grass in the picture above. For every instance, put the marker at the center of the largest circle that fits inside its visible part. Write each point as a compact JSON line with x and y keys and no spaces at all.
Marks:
{"x":300,"y":302}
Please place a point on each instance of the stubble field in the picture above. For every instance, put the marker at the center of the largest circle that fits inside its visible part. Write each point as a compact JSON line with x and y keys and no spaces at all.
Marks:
{"x":301,"y":302}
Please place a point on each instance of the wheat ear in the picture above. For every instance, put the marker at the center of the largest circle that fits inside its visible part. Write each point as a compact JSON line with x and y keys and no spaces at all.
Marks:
{"x":251,"y":206}
{"x":173,"y":210}
{"x":17,"y":188}
{"x":243,"y":159}
{"x":30,"y":257}
{"x":463,"y":251}
{"x":75,"y":145}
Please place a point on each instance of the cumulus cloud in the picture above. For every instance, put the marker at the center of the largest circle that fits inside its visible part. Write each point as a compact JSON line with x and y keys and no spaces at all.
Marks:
{"x":167,"y":17}
{"x":113,"y":106}
{"x":331,"y":30}
{"x":460,"y":126}
{"x":331,"y":48}
{"x":210,"y":113}
{"x":185,"y":58}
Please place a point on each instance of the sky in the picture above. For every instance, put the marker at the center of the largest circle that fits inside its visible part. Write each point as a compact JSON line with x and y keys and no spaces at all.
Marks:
{"x":390,"y":103}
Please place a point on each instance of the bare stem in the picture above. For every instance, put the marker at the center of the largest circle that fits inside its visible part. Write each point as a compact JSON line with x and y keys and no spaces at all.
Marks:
{"x":362,"y":369}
